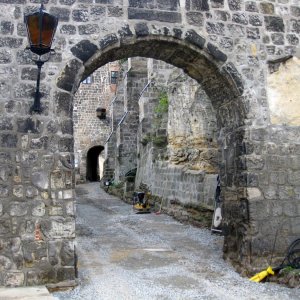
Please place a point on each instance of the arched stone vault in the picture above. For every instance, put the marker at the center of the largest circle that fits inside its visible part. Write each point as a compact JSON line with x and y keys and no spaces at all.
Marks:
{"x":206,"y":64}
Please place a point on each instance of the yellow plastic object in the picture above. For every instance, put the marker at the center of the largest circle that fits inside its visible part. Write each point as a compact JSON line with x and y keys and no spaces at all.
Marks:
{"x":142,"y":207}
{"x":263,"y":274}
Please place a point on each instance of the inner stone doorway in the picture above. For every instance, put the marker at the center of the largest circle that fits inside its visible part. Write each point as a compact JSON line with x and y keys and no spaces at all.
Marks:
{"x":93,"y":168}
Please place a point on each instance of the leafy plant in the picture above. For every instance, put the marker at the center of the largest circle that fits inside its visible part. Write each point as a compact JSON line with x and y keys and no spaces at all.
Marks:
{"x":163,"y":104}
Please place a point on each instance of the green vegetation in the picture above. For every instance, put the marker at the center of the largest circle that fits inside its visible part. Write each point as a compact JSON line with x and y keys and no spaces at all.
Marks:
{"x":163,"y":103}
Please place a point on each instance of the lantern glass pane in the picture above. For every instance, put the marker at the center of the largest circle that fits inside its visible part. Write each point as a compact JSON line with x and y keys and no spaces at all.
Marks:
{"x":33,"y":30}
{"x":49,"y":26}
{"x":41,"y":30}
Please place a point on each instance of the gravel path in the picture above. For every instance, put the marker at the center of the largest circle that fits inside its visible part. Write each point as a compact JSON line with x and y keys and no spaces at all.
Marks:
{"x":128,"y":256}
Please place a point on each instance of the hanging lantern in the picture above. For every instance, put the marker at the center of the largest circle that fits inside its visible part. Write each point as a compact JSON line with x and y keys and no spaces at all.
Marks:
{"x":41,"y":28}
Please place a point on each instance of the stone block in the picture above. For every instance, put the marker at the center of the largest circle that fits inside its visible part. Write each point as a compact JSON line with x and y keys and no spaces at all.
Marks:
{"x":34,"y":253}
{"x":62,"y":13}
{"x":66,"y":273}
{"x":115,"y":11}
{"x":55,"y":211}
{"x":30,"y":73}
{"x":267,"y":8}
{"x":295,"y":26}
{"x":40,"y":179}
{"x":295,"y":225}
{"x":295,"y":11}
{"x":217,"y":3}
{"x":279,"y":177}
{"x":274,"y":24}
{"x":5,"y":263}
{"x":195,"y":18}
{"x":18,"y":191}
{"x":194,"y":38}
{"x":67,"y":253}
{"x":294,"y":178}
{"x":59,"y":228}
{"x":65,"y":82}
{"x":6,"y":123}
{"x":255,"y":20}
{"x":38,"y":209}
{"x":39,"y":277}
{"x":67,"y":29}
{"x":253,"y":33}
{"x":84,"y":50}
{"x":5,"y":56}
{"x":57,"y":180}
{"x":290,"y":209}
{"x":80,"y":15}
{"x":251,"y":6}
{"x":31,"y":192}
{"x":52,"y":126}
{"x":5,"y":226}
{"x":240,"y":18}
{"x":235,"y":4}
{"x":278,"y":38}
{"x":270,"y":192}
{"x":276,"y":208}
{"x":68,"y":194}
{"x":65,"y":144}
{"x":286,"y":192}
{"x":292,"y":39}
{"x":70,"y":208}
{"x":14,"y":279}
{"x":88,"y":29}
{"x":18,"y":209}
{"x":67,"y":126}
{"x":8,"y":140}
{"x":53,"y":252}
{"x":39,"y":143}
{"x":11,"y":42}
{"x":152,"y":15}
{"x":197,"y":5}
{"x":222,"y":15}
{"x":67,"y":2}
{"x":215,"y":28}
{"x":216,"y":53}
{"x":29,"y":125}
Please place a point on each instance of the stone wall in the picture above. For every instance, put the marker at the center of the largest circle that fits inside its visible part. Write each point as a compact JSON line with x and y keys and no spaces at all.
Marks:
{"x":178,"y":151}
{"x":226,"y":46}
{"x":96,"y":91}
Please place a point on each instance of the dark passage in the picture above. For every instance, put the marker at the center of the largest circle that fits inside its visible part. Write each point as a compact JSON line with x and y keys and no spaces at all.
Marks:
{"x":92,"y":164}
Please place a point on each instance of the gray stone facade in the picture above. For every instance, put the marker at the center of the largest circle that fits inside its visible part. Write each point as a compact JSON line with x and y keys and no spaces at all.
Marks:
{"x":89,"y":131}
{"x":228,"y":47}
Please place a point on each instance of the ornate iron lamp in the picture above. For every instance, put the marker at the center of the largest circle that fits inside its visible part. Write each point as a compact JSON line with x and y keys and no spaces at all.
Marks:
{"x":41,"y":28}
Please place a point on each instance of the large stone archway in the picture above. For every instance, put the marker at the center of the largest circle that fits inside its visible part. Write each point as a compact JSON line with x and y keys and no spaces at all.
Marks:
{"x":224,"y":45}
{"x":219,"y":79}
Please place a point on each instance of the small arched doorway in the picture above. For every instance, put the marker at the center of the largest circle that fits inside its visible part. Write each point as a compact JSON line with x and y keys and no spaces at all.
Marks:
{"x":93,"y":168}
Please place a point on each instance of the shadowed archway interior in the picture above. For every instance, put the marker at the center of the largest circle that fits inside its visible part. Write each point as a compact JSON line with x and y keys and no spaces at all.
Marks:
{"x":92,"y":163}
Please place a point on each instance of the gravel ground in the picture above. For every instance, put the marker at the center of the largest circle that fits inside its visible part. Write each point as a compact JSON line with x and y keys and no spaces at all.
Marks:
{"x":128,"y":256}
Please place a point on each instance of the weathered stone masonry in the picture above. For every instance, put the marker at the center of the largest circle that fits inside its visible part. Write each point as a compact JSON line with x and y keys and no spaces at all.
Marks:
{"x":89,"y":131}
{"x":227,"y":46}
